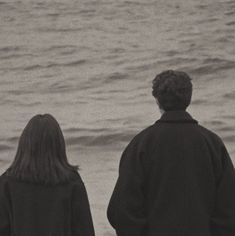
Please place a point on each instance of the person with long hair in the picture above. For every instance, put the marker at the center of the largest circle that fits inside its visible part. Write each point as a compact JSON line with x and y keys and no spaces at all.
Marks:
{"x":41,"y":194}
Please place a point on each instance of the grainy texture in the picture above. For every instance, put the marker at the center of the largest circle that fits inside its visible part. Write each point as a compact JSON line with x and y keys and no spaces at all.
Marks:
{"x":90,"y":64}
{"x":175,"y":178}
{"x":34,"y":209}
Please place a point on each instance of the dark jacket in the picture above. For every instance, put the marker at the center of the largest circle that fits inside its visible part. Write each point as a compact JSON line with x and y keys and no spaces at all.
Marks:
{"x":175,"y":179}
{"x":28,"y":209}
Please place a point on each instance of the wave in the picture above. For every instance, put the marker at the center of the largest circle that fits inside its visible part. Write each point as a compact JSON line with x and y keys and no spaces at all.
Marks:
{"x":60,"y":47}
{"x":59,"y":30}
{"x":232,"y":23}
{"x":215,"y":123}
{"x":9,"y":5}
{"x":97,"y":136}
{"x":14,"y":52}
{"x":229,"y":138}
{"x":4,"y":147}
{"x":87,"y":11}
{"x":117,"y":76}
{"x":230,"y":117}
{"x":82,"y":137}
{"x":52,"y":65}
{"x":103,"y":137}
{"x":230,"y":13}
{"x":202,"y":6}
{"x":53,"y":14}
{"x":230,"y":2}
{"x":230,"y":95}
{"x":213,"y":65}
{"x":199,"y":102}
{"x":14,"y":56}
{"x":7,"y":49}
{"x":99,"y":140}
{"x":225,"y":129}
{"x":75,"y":130}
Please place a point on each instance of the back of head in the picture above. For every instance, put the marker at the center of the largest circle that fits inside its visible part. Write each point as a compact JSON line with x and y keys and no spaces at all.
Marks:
{"x":173,"y":90}
{"x":41,"y":154}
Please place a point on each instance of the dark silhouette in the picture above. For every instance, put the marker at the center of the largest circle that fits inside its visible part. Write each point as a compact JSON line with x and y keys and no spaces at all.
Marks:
{"x":172,"y":90}
{"x":175,"y":177}
{"x":41,"y":194}
{"x":41,"y":155}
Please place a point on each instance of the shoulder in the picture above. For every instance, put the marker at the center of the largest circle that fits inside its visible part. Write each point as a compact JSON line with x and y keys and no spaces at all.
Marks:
{"x":76,"y":178}
{"x":79,"y":192}
{"x":3,"y":184}
{"x":77,"y":183}
{"x":210,"y":135}
{"x":141,"y":141}
{"x":3,"y":179}
{"x":143,"y":135}
{"x":216,"y":146}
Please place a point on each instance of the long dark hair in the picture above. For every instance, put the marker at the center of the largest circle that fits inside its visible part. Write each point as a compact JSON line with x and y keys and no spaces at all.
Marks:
{"x":41,"y":154}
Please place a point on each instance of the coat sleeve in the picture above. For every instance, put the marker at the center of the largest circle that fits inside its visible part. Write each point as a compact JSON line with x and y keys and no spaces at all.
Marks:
{"x":126,"y":211}
{"x":223,"y":220}
{"x":4,"y":214}
{"x":82,"y":224}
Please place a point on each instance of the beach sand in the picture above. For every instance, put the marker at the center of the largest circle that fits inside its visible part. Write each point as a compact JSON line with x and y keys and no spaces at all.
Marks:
{"x":99,"y":178}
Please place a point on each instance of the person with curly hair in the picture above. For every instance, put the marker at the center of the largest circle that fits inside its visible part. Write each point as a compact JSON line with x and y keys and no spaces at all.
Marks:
{"x":176,"y":177}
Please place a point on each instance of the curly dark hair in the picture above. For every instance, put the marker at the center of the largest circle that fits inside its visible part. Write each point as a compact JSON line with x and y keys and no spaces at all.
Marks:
{"x":173,"y":90}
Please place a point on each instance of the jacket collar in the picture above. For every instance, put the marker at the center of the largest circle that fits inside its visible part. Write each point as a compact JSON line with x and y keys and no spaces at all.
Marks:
{"x":177,"y":117}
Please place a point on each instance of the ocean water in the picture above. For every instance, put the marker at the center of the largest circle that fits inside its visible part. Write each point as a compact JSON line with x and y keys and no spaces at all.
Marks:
{"x":90,"y":63}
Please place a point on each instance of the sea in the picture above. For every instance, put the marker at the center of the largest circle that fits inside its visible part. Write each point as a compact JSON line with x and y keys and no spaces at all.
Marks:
{"x":90,"y":63}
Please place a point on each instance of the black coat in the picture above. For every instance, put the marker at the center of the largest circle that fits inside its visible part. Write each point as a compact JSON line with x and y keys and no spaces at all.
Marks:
{"x":175,"y":179}
{"x":28,"y":209}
